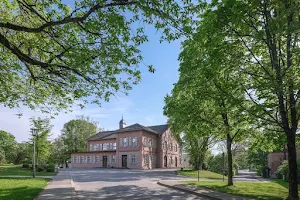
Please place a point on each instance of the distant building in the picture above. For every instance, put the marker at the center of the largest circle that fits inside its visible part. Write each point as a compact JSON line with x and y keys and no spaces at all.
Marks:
{"x":275,"y":159}
{"x":135,"y":146}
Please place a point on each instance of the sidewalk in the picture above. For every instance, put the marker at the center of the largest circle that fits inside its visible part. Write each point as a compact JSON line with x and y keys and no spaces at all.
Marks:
{"x":61,"y":187}
{"x":202,"y":192}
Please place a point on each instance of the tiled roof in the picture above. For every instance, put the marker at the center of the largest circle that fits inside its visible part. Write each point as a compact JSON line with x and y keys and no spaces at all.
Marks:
{"x":101,"y":135}
{"x":158,"y":130}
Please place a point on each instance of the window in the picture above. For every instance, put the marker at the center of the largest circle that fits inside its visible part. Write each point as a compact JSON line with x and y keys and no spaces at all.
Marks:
{"x":100,"y":146}
{"x":81,"y":159}
{"x":75,"y":159}
{"x":146,"y":159}
{"x":154,"y":144}
{"x":171,"y":159}
{"x":110,"y":145}
{"x":175,"y":148}
{"x":125,"y":142}
{"x":96,"y":147}
{"x":114,"y":146}
{"x":134,"y":141}
{"x":91,"y":147}
{"x":130,"y":141}
{"x":149,"y":142}
{"x":113,"y":159}
{"x":144,"y":141}
{"x":133,"y":158}
{"x":105,"y":146}
{"x":93,"y":159}
{"x":171,"y":146}
{"x":89,"y":160}
{"x":121,"y":142}
{"x":165,"y":145}
{"x":97,"y":159}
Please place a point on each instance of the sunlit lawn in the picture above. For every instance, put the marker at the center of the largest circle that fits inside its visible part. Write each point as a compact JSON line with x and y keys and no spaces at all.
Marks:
{"x":7,"y":170}
{"x":202,"y":174}
{"x":21,"y":188}
{"x":258,"y":190}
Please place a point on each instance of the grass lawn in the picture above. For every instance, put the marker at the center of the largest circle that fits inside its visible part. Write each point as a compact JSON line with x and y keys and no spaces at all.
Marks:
{"x":6,"y":170}
{"x":21,"y":188}
{"x":258,"y":190}
{"x":202,"y":174}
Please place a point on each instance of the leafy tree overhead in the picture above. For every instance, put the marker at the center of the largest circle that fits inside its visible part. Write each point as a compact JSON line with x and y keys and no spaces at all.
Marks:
{"x":75,"y":133}
{"x":54,"y":54}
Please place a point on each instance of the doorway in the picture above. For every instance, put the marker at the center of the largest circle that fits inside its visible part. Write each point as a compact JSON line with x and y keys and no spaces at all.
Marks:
{"x":175,"y":161}
{"x":165,"y":161}
{"x":105,"y":161}
{"x":124,"y":161}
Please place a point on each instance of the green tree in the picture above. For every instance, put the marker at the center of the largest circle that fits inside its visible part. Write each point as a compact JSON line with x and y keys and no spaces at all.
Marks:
{"x":42,"y":141}
{"x":59,"y":153}
{"x":75,"y":132}
{"x":7,"y":145}
{"x":21,"y":153}
{"x":54,"y":54}
{"x":265,"y":33}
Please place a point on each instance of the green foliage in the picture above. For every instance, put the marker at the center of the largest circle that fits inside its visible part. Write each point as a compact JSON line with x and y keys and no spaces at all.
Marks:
{"x":75,"y":133}
{"x":25,"y":165}
{"x":7,"y":145}
{"x":50,"y":168}
{"x":283,"y":169}
{"x":54,"y":53}
{"x":42,"y":141}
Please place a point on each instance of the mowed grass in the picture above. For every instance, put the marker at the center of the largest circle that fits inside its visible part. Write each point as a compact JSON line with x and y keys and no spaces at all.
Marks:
{"x":15,"y":170}
{"x":202,"y":174}
{"x":21,"y":188}
{"x":258,"y":190}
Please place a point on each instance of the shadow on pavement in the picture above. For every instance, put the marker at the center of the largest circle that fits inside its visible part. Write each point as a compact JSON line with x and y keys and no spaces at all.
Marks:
{"x":133,"y":192}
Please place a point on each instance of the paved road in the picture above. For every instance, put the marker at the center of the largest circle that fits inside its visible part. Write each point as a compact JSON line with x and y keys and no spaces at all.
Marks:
{"x":116,"y":184}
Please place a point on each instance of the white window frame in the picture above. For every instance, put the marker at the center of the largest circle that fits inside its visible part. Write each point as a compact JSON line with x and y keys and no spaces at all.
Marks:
{"x":113,"y":159}
{"x":133,"y":158}
{"x":125,"y":142}
{"x":89,"y":159}
{"x":134,"y":141}
{"x":114,"y":146}
{"x":91,"y":147}
{"x":97,"y":159}
{"x":81,"y":159}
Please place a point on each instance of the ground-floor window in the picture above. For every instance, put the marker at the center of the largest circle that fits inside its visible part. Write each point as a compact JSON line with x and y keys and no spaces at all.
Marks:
{"x":146,"y":159}
{"x":133,"y":158}
{"x":89,"y":160}
{"x":75,"y":159}
{"x":97,"y":159}
{"x":113,"y":159}
{"x":81,"y":159}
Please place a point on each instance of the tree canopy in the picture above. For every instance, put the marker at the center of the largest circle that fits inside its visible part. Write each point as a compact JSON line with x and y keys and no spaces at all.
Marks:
{"x":54,"y":54}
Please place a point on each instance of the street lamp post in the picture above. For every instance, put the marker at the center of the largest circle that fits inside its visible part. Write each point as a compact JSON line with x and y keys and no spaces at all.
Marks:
{"x":34,"y":134}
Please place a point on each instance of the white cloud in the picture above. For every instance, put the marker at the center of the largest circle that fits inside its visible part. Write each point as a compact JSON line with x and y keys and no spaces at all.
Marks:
{"x":108,"y":117}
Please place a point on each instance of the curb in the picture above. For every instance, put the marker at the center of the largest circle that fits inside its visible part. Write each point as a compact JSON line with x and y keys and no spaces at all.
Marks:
{"x":73,"y":193}
{"x":189,"y":191}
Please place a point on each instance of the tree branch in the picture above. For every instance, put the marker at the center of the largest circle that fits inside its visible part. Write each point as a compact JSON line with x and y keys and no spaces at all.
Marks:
{"x":67,"y":19}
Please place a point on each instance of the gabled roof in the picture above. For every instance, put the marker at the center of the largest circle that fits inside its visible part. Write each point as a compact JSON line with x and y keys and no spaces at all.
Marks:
{"x":158,"y":130}
{"x":101,"y":135}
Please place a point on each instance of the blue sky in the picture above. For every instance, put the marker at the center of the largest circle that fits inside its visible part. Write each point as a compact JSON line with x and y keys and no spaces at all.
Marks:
{"x":143,"y":105}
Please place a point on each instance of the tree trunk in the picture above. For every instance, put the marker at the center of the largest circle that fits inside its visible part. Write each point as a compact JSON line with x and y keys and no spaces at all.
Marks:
{"x":292,"y":159}
{"x":200,"y":165}
{"x":229,"y":159}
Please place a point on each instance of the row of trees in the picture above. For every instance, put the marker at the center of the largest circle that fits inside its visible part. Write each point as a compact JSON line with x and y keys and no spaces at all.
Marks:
{"x":239,"y":74}
{"x":72,"y":139}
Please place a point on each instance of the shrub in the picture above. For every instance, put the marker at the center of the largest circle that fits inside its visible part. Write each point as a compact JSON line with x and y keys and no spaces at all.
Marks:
{"x":50,"y":168}
{"x":25,"y":165}
{"x":283,"y":169}
{"x":40,"y":168}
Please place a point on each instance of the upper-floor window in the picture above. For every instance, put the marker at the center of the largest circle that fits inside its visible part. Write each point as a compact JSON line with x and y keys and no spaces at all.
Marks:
{"x":96,"y":147}
{"x":150,"y":142}
{"x":105,"y":146}
{"x":145,"y":142}
{"x":165,"y":145}
{"x":171,"y":146}
{"x":91,"y":147}
{"x":114,"y":146}
{"x":134,"y":141}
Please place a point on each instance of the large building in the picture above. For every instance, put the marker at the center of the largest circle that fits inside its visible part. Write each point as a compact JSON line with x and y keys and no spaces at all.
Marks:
{"x":135,"y":146}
